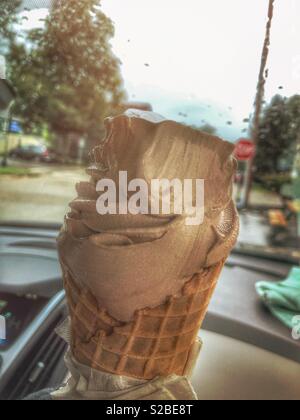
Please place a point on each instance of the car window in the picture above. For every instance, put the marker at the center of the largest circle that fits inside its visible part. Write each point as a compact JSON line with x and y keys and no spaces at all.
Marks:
{"x":69,"y":65}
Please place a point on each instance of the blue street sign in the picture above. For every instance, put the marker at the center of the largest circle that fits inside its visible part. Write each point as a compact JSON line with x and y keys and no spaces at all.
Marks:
{"x":15,"y":127}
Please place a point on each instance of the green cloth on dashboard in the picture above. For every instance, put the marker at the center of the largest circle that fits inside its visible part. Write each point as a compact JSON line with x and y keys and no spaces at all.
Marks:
{"x":283,"y":298}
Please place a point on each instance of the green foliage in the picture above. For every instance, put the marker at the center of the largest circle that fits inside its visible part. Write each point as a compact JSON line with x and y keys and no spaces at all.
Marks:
{"x":66,"y":75}
{"x":12,"y":170}
{"x":279,"y":130}
{"x":7,"y":19}
{"x":275,"y":182}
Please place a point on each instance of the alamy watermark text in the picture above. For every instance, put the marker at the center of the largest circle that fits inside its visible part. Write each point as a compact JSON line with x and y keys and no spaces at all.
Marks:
{"x":162,"y":196}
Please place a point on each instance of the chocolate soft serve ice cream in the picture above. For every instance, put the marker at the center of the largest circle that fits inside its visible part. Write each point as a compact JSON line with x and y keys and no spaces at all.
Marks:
{"x":138,"y":285}
{"x":130,"y":262}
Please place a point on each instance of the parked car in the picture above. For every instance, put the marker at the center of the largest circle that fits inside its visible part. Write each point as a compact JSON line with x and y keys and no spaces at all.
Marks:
{"x":33,"y":152}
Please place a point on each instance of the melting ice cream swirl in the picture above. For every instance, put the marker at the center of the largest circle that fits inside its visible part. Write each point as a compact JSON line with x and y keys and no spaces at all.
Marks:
{"x":136,"y":261}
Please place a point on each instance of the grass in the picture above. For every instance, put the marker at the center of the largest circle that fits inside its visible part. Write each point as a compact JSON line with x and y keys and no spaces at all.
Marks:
{"x":12,"y":170}
{"x":259,"y":188}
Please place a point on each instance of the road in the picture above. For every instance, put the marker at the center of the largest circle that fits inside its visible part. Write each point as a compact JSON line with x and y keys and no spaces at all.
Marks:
{"x":42,"y":197}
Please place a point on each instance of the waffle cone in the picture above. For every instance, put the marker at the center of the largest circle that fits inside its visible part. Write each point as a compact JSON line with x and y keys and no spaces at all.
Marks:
{"x":157,"y":342}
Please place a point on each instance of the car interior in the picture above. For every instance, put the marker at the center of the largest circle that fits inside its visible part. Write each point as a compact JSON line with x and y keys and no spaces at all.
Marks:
{"x":239,"y":333}
{"x":246,"y":352}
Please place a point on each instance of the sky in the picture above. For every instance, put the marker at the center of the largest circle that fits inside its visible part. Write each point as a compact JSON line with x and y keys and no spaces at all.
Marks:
{"x":197,"y":61}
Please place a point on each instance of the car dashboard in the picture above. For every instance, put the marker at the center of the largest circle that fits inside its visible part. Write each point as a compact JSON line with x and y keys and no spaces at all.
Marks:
{"x":32,"y":301}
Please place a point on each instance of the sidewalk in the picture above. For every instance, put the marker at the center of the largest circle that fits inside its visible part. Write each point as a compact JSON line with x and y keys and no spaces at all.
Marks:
{"x":264,"y":198}
{"x":260,"y":197}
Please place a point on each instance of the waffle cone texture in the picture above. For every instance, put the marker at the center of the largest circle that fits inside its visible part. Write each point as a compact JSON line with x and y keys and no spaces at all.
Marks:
{"x":158,"y":341}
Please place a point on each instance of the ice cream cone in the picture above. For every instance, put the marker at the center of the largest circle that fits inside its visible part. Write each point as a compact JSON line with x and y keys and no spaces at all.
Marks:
{"x":158,"y":341}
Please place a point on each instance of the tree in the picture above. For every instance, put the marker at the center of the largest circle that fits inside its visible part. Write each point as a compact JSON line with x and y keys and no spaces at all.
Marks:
{"x":278,"y":132}
{"x":66,"y":75}
{"x":8,"y":17}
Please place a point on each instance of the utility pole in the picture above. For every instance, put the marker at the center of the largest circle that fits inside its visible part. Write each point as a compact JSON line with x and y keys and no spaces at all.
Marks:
{"x":260,"y":93}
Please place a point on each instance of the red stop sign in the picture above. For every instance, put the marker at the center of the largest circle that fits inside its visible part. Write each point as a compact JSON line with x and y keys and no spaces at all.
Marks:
{"x":245,"y":150}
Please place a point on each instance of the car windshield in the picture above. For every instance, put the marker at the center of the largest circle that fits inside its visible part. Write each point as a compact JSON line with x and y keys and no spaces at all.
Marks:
{"x":231,"y":69}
